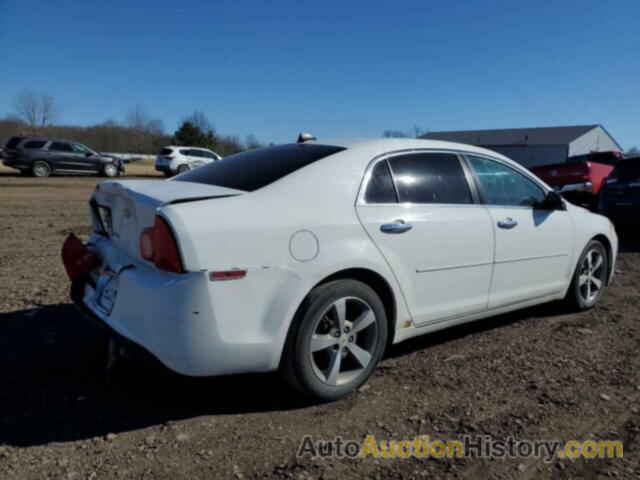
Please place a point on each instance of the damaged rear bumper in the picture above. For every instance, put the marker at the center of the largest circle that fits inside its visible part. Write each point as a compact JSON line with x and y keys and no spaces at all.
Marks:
{"x":172,"y":316}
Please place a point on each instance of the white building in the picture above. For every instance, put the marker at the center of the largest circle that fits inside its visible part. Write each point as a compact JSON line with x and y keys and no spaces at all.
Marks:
{"x":532,"y":147}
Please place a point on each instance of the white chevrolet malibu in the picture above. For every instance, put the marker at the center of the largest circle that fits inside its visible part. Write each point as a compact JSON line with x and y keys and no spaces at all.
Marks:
{"x":311,"y":258}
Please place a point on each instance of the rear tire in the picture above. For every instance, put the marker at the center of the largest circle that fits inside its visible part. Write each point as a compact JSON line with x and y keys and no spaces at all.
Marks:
{"x":40,"y":169}
{"x":336,"y":340}
{"x":183,"y":168}
{"x":589,"y":278}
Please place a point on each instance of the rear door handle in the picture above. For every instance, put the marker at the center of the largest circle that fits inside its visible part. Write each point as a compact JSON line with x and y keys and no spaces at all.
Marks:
{"x":507,"y":223}
{"x":396,"y":227}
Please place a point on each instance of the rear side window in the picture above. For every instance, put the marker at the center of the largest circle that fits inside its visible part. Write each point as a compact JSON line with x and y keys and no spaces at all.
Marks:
{"x":60,"y":147}
{"x":380,"y":188}
{"x":34,"y":144}
{"x":166,"y":151}
{"x":186,"y":152}
{"x":430,"y":178}
{"x":196,"y":153}
{"x":249,"y":171}
{"x":13,"y":142}
{"x":502,"y":185}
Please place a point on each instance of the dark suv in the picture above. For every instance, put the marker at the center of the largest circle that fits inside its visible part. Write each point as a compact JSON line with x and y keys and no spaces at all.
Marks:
{"x":42,"y":156}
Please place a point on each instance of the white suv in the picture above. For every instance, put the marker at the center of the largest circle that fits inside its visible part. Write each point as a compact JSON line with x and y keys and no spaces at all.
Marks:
{"x":172,"y":160}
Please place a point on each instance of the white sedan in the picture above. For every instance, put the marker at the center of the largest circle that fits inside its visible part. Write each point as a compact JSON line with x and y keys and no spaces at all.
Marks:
{"x":311,"y":258}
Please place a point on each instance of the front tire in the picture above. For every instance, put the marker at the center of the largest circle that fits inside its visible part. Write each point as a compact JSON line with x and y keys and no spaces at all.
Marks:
{"x":337,"y":339}
{"x":589,"y":278}
{"x":40,"y":169}
{"x":110,"y":170}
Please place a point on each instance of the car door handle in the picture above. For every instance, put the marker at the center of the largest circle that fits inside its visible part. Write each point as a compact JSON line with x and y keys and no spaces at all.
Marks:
{"x":396,"y":227}
{"x":507,"y":223}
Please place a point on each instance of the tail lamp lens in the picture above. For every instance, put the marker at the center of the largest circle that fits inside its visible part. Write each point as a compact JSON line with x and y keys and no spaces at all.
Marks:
{"x":158,"y":245}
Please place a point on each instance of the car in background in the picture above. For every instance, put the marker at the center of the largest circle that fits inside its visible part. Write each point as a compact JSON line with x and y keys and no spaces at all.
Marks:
{"x":580,"y":179}
{"x":173,"y":160}
{"x":620,"y":195}
{"x":311,"y":258}
{"x":44,"y":156}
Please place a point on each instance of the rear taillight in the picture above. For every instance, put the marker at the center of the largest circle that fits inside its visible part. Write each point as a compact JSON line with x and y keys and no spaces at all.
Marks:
{"x":78,"y":260}
{"x":169,"y":157}
{"x":158,"y":245}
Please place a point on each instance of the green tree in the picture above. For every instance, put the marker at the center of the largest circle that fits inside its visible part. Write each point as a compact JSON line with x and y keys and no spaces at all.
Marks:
{"x":192,"y":135}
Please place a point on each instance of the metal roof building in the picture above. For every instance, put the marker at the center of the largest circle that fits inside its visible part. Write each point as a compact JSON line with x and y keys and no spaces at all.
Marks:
{"x":532,"y":147}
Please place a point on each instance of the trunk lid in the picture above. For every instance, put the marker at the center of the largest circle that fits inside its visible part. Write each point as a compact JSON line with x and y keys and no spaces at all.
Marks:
{"x":125,"y":208}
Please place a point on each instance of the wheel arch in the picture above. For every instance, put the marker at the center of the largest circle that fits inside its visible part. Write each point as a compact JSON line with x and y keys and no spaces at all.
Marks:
{"x":369,"y":277}
{"x":43,"y":160}
{"x":372,"y":279}
{"x":609,"y":248}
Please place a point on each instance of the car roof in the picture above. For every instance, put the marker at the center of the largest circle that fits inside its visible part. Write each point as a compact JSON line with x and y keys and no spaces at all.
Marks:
{"x":48,"y":139}
{"x":386,"y":145}
{"x":187,"y":146}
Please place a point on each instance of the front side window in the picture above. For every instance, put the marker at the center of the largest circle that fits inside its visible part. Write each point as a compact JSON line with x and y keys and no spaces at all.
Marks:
{"x":77,"y":148}
{"x":430,"y":178}
{"x":207,"y":154}
{"x":60,"y":147}
{"x":380,"y":187}
{"x":503,"y":185}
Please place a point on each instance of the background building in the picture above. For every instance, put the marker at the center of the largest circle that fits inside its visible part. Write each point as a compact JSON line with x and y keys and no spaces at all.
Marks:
{"x":532,"y":147}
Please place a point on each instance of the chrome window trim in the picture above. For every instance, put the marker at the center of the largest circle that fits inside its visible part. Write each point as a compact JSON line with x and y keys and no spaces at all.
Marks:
{"x":360,"y":198}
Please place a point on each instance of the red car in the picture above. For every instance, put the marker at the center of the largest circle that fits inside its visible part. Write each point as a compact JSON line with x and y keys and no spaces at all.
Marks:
{"x":580,"y":178}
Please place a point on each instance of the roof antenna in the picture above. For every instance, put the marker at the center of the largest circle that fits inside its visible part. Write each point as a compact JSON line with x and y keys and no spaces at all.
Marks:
{"x":306,"y":137}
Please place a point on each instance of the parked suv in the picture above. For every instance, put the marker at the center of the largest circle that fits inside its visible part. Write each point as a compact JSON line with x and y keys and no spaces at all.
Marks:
{"x":172,"y":160}
{"x":43,"y":156}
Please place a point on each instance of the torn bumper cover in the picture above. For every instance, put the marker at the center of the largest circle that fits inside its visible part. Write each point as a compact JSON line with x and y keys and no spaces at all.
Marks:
{"x":169,"y":315}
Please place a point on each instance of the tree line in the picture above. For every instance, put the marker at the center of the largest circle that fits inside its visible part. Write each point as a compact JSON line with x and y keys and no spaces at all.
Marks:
{"x":139,"y":132}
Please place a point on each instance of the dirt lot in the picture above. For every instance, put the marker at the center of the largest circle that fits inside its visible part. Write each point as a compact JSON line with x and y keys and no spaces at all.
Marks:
{"x":536,"y":374}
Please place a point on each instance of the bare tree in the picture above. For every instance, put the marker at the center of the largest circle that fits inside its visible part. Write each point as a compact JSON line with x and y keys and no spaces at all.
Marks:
{"x":415,"y":132}
{"x":36,"y":111}
{"x":200,"y":120}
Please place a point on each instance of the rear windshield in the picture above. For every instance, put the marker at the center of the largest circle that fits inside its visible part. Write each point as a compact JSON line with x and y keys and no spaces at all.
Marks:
{"x":249,"y":171}
{"x":166,"y":151}
{"x":13,"y":142}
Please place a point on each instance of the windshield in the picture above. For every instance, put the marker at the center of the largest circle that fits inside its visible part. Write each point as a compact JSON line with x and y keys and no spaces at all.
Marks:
{"x":249,"y":171}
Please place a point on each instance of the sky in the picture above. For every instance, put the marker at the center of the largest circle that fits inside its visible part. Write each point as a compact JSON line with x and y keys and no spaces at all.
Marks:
{"x":332,"y":68}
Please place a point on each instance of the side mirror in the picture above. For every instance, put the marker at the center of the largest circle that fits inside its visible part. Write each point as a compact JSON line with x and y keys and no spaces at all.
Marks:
{"x":553,"y":201}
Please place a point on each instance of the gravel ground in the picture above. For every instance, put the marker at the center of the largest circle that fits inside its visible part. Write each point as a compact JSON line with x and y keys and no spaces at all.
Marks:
{"x":536,"y":374}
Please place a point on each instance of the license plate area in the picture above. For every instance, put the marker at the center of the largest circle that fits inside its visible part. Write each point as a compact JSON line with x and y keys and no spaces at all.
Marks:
{"x":106,"y":290}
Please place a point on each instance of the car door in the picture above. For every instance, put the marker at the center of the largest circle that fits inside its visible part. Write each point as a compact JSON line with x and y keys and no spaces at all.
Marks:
{"x":196,"y":158}
{"x":420,"y":210}
{"x":533,"y":245}
{"x":60,"y":156}
{"x":84,"y":158}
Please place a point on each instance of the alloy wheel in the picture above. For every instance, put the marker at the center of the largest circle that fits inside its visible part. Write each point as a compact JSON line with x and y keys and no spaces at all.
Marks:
{"x":41,"y":169}
{"x":592,"y":275}
{"x":343,"y":341}
{"x":110,"y":170}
